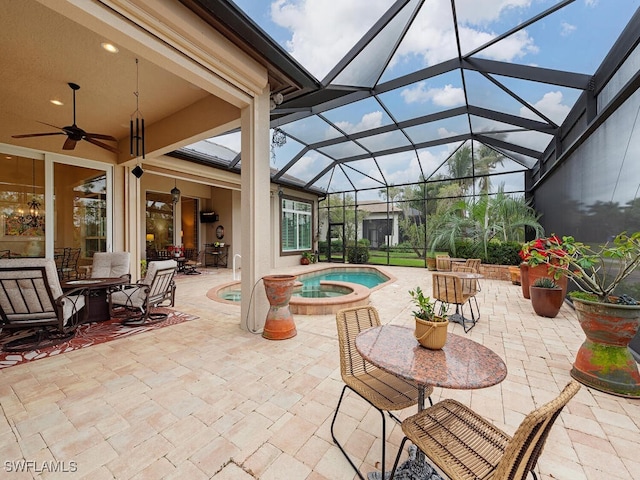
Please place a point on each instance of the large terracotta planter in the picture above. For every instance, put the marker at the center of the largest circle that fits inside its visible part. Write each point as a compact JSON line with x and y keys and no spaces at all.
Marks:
{"x":603,"y":361}
{"x":279,"y":324}
{"x":546,"y":302}
{"x":524,"y":280}
{"x":530,"y":274}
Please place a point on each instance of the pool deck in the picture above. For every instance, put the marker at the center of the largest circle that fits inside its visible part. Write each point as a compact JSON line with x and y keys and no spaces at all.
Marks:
{"x":205,"y":399}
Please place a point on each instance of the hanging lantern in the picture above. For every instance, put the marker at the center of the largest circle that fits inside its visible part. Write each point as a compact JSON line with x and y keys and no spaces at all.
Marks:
{"x":175,"y":193}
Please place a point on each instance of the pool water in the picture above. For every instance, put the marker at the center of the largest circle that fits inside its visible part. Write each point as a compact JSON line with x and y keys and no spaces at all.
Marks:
{"x":368,"y":279}
{"x":311,"y":287}
{"x":321,"y":291}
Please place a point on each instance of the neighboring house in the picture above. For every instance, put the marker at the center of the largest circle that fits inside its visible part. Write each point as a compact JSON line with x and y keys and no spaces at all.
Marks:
{"x":381,"y":223}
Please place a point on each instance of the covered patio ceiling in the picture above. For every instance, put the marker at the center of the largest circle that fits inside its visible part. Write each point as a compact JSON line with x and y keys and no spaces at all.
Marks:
{"x":430,"y":77}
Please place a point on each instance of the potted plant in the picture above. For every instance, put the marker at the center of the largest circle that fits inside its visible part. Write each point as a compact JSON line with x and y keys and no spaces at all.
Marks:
{"x":537,"y":258}
{"x":307,"y":258}
{"x":546,"y":297}
{"x":609,"y":322}
{"x":431,"y":326}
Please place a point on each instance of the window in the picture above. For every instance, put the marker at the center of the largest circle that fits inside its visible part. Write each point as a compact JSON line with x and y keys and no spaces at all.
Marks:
{"x":296,"y":225}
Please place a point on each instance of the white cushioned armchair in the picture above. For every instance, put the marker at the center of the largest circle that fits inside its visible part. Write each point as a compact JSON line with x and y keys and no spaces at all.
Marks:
{"x":31,"y":298}
{"x":111,"y":265}
{"x":135,"y":301}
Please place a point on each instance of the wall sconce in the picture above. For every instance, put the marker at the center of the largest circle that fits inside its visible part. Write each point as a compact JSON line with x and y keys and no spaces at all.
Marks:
{"x":175,"y":193}
{"x":150,"y":237}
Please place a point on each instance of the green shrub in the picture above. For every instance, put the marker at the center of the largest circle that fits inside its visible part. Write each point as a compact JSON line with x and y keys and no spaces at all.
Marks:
{"x":358,"y":254}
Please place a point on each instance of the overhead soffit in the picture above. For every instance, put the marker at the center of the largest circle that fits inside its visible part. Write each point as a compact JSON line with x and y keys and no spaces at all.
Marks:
{"x":473,"y":93}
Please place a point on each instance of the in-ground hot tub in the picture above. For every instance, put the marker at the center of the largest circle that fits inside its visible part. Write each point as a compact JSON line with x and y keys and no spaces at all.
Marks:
{"x":322,"y":291}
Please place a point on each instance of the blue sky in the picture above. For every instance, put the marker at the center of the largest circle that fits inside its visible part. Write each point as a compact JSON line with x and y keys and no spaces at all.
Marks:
{"x":318,"y":33}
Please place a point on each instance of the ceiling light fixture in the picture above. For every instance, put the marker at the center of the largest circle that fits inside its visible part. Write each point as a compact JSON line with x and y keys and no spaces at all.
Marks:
{"x":136,"y":135}
{"x":109,"y":47}
{"x":57,"y":102}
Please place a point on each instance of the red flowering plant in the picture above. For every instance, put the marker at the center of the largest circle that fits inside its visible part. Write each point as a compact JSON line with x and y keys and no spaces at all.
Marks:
{"x":597,"y":271}
{"x":550,"y":250}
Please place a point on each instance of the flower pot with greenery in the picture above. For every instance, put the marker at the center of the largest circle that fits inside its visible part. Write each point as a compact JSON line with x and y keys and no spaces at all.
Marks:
{"x":609,"y":322}
{"x":431,"y":326}
{"x":307,"y":258}
{"x":546,"y":297}
{"x":538,"y":256}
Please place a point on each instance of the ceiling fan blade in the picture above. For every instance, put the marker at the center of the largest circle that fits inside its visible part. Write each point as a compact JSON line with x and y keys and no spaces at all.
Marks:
{"x":48,"y":124}
{"x":103,"y":145}
{"x":69,"y":144}
{"x":101,"y":136}
{"x":26,"y":135}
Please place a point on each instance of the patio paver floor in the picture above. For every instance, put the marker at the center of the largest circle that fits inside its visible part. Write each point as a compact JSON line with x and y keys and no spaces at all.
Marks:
{"x":205,"y":399}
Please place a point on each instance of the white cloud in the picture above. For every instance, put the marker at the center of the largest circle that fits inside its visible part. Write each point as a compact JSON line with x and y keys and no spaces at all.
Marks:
{"x":368,"y":121}
{"x":515,"y":46}
{"x":449,"y":96}
{"x":567,"y":29}
{"x":445,"y":133}
{"x":551,"y":105}
{"x":323,"y":31}
{"x":591,"y":3}
{"x":482,"y":12}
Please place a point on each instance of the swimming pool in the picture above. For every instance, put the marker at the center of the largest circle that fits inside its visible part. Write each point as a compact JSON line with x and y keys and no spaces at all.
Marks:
{"x":369,"y":278}
{"x":322,"y":291}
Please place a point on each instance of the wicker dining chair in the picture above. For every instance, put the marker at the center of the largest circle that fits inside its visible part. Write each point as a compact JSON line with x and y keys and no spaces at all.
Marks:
{"x":464,"y":445}
{"x":473,"y":263}
{"x":384,"y":391}
{"x":443,"y":263}
{"x":449,"y":289}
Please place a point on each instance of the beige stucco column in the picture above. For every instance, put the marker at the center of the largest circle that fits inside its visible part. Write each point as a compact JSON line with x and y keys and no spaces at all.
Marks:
{"x":256,"y":214}
{"x":134,"y":225}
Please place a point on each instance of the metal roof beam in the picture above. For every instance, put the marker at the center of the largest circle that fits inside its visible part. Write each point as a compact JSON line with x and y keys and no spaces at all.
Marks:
{"x":494,"y":142}
{"x":527,"y":72}
{"x":515,"y":120}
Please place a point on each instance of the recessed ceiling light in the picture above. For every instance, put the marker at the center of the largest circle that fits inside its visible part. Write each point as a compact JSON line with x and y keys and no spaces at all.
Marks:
{"x":57,"y":102}
{"x":109,"y":47}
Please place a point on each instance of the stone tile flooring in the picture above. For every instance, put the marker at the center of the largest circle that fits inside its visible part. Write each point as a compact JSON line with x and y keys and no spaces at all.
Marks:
{"x":205,"y":399}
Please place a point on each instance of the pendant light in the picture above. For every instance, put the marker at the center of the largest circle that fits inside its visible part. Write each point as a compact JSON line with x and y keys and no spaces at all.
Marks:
{"x":175,"y":193}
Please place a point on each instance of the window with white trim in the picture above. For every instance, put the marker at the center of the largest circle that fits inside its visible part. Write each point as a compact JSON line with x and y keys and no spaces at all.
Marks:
{"x":296,"y":225}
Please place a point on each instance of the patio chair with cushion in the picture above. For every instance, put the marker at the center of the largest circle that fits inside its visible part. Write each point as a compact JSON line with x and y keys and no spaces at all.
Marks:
{"x":450,"y":289}
{"x":31,"y":300}
{"x":135,"y":302}
{"x":464,"y":445}
{"x":383,"y":390}
{"x":111,"y":265}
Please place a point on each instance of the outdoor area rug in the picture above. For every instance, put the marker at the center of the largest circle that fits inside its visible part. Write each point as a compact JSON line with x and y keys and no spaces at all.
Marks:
{"x":87,"y":335}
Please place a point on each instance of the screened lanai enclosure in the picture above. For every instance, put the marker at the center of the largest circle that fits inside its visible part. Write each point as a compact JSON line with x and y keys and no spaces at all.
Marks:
{"x":486,"y":122}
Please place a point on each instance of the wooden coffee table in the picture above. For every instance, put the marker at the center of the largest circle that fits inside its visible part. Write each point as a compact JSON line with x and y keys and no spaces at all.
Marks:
{"x":97,"y":305}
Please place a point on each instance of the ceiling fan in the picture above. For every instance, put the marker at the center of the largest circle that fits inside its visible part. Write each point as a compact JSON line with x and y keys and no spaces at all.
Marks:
{"x":74,"y":133}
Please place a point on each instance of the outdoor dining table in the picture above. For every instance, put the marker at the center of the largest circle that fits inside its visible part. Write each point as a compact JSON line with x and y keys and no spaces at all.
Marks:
{"x":97,"y":305}
{"x":461,"y":364}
